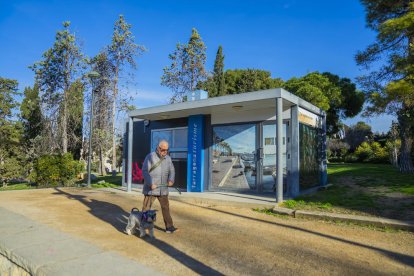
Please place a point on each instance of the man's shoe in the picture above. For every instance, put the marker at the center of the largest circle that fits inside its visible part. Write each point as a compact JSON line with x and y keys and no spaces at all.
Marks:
{"x":170,"y":230}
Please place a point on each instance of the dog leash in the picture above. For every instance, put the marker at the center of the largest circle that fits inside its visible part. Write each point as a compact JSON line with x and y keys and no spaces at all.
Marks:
{"x":178,"y":190}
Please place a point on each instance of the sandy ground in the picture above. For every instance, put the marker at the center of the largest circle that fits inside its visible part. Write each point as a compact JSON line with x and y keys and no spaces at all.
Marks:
{"x":218,"y":240}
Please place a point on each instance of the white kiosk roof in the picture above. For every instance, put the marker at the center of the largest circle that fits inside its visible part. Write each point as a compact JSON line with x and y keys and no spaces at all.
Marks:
{"x":245,"y":102}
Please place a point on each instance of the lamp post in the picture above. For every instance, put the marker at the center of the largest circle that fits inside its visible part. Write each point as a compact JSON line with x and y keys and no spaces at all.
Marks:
{"x":93,"y":75}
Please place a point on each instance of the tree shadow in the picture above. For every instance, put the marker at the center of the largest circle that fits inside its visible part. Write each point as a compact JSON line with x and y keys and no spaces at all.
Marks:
{"x":402,"y":258}
{"x":105,"y":211}
{"x":193,"y":264}
{"x":118,"y":218}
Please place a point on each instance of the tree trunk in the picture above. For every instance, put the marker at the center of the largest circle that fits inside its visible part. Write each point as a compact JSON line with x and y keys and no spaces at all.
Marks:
{"x":113,"y":121}
{"x":101,"y":163}
{"x":406,"y":131}
{"x":65,"y":106}
{"x":64,"y":126}
{"x":394,"y":157}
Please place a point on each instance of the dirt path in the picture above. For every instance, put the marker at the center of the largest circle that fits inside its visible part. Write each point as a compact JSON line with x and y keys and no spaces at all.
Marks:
{"x":218,"y":240}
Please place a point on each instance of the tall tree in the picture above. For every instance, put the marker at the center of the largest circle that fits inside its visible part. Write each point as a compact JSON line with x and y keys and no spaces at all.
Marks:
{"x":187,"y":68}
{"x":390,"y":86}
{"x":248,"y":80}
{"x":122,"y":51}
{"x":55,"y":74}
{"x":31,"y":114}
{"x":350,"y":104}
{"x":243,"y":80}
{"x":32,"y":123}
{"x":316,"y":89}
{"x":356,"y":134}
{"x":75,"y":118}
{"x":337,"y":96}
{"x":10,"y":133}
{"x":218,"y":88}
{"x":8,"y":90}
{"x":102,"y":123}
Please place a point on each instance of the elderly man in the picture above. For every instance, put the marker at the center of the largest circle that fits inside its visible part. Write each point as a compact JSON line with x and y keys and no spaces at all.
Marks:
{"x":159,"y":174}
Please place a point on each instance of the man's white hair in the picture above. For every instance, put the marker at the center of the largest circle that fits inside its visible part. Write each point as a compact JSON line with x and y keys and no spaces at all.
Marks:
{"x":163,"y":142}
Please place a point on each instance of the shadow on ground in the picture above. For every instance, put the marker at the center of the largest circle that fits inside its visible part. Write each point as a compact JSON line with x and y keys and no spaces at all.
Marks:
{"x":118,"y":218}
{"x":402,"y":258}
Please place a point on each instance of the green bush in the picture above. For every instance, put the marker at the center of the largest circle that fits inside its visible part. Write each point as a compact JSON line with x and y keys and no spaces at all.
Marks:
{"x":372,"y":152}
{"x":380,"y":153}
{"x":364,"y":152}
{"x":55,"y":170}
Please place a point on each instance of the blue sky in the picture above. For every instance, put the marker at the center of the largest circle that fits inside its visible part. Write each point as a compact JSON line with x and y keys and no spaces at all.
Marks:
{"x":289,"y":38}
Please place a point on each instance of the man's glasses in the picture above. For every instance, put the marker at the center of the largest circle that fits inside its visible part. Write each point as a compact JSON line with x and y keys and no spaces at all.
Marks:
{"x":162,"y":150}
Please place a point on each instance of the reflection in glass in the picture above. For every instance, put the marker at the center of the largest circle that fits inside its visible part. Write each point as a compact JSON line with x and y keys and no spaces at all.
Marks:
{"x":234,"y":162}
{"x":176,"y":138}
{"x":158,"y":135}
{"x":309,"y":156}
{"x":269,"y":157}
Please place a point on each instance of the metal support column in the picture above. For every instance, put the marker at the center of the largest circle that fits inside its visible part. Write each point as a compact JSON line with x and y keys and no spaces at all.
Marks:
{"x":294,"y":152}
{"x":279,"y":154}
{"x":130,"y":139}
{"x":324,"y":161}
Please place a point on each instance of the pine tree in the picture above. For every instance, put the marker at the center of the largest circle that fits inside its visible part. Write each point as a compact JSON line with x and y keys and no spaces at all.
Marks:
{"x":10,"y":133}
{"x":102,"y":123}
{"x":187,"y":69}
{"x":391,"y":87}
{"x":218,"y":74}
{"x":55,"y":74}
{"x":31,"y":114}
{"x":122,"y":51}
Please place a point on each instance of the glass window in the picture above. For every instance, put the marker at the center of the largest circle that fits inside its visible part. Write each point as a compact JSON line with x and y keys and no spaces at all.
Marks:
{"x":234,"y":162}
{"x":176,"y":138}
{"x":309,"y":156}
{"x":180,"y":138}
{"x":158,"y":135}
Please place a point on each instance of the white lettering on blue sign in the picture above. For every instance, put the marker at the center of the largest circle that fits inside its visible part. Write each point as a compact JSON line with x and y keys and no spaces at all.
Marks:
{"x":195,"y":153}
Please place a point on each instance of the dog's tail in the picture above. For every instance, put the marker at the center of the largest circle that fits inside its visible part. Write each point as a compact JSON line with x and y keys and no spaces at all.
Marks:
{"x":134,"y":209}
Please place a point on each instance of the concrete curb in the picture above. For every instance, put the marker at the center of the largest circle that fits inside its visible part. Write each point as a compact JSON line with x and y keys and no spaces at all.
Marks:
{"x":362,"y":220}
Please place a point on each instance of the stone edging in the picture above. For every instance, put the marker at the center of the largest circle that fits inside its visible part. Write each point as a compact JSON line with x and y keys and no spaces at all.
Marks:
{"x":362,"y":220}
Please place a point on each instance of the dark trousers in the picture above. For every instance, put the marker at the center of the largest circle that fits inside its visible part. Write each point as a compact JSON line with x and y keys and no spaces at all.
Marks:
{"x":165,"y":208}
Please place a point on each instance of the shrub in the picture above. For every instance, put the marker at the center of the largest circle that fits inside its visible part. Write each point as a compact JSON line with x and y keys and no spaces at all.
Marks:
{"x":55,"y":170}
{"x":372,"y":152}
{"x":364,"y":152}
{"x":380,"y":153}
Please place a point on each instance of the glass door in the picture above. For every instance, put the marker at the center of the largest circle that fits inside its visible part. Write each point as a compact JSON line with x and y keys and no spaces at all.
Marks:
{"x":268,"y":162}
{"x":234,"y":158}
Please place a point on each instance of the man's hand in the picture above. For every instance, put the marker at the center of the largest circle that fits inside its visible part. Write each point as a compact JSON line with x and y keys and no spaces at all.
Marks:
{"x":170,"y":183}
{"x":153,"y":186}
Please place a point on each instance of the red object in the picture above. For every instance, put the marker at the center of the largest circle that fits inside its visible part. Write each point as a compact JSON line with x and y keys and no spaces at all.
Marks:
{"x":137,"y":173}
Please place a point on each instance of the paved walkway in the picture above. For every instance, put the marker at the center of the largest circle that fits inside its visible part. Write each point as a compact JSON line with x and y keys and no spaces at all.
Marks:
{"x":42,"y":250}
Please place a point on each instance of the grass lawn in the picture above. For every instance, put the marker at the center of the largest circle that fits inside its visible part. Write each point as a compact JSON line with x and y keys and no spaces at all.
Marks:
{"x":17,"y":186}
{"x":367,"y":189}
{"x":109,"y":181}
{"x":106,"y":181}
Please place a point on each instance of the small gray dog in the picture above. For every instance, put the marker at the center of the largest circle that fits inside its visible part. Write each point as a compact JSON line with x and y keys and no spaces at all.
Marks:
{"x":142,"y":221}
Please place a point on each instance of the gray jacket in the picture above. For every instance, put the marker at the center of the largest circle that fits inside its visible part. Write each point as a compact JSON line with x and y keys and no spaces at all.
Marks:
{"x":159,"y":176}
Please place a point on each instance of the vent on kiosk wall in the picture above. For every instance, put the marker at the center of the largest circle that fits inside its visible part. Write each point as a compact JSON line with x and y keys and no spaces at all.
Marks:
{"x":196,"y":95}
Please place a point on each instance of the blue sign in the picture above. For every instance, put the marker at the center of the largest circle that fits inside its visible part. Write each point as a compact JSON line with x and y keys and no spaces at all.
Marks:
{"x":195,"y":161}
